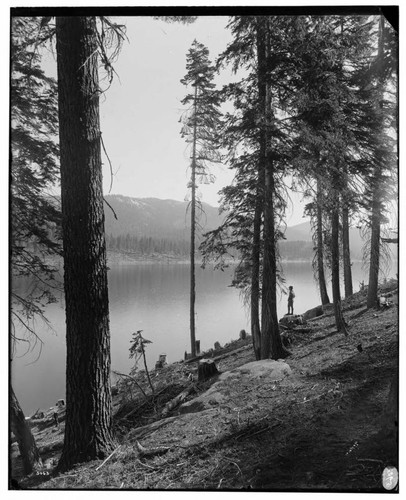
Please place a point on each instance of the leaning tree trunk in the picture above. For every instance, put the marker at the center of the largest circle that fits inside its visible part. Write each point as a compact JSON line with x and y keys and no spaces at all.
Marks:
{"x":88,"y":394}
{"x":25,"y":440}
{"x":320,"y":249}
{"x":271,"y":342}
{"x":335,"y":259}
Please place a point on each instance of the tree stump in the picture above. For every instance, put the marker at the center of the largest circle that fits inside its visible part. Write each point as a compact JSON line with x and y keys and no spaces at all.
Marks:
{"x":206,"y":369}
{"x":197,"y":347}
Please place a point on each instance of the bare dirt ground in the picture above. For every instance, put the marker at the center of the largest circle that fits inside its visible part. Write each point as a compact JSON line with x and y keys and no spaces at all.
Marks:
{"x":315,"y":422}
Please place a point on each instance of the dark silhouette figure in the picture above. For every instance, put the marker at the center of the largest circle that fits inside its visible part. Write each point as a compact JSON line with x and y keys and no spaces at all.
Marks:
{"x":291,"y":296}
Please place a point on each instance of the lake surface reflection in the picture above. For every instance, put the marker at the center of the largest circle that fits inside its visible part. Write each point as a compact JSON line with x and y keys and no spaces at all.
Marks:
{"x":153,"y":298}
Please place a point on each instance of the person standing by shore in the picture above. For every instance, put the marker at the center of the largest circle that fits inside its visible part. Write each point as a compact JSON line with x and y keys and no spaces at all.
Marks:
{"x":291,"y":296}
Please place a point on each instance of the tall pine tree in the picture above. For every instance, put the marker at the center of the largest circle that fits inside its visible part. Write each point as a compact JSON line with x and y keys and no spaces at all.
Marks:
{"x":200,"y":129}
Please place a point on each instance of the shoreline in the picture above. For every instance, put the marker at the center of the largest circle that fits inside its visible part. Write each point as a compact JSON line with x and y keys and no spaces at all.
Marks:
{"x":348,"y":391}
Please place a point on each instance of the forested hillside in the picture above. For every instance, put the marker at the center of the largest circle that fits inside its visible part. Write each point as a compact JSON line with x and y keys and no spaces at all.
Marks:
{"x":298,"y":242}
{"x":152,"y":226}
{"x":147,"y":226}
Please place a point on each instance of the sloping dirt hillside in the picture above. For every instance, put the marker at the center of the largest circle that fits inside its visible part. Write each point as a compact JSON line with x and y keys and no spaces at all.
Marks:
{"x":317,"y":421}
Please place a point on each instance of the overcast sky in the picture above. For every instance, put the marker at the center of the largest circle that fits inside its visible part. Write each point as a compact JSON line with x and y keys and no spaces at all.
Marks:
{"x":140,"y":112}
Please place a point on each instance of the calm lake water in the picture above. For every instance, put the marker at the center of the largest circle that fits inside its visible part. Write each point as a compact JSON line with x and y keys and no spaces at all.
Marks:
{"x":153,"y":298}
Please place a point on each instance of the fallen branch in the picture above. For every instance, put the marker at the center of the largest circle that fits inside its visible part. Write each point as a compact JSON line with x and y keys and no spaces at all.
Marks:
{"x":135,"y":382}
{"x":192,"y":360}
{"x":311,"y":399}
{"x":146,"y":429}
{"x":358,"y":314}
{"x":150,"y":452}
{"x":369,"y":460}
{"x":173,"y":403}
{"x":310,"y":320}
{"x":232,"y":352}
{"x":145,"y":465}
{"x":259,"y":431}
{"x":68,"y":475}
{"x":108,"y":458}
{"x":300,"y":329}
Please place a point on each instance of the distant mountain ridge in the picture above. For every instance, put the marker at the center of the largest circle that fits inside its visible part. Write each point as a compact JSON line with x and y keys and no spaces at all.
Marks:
{"x":153,"y":217}
{"x":152,"y":227}
{"x":149,"y":226}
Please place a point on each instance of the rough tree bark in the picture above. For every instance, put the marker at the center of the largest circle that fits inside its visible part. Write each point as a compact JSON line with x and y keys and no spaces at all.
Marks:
{"x":376,"y":217}
{"x":320,"y":252}
{"x":256,"y":252}
{"x":25,"y":440}
{"x":348,"y":289}
{"x":255,"y":293}
{"x":335,"y":256}
{"x":271,"y":342}
{"x":256,"y":241}
{"x":88,"y":394}
{"x":372,"y":297}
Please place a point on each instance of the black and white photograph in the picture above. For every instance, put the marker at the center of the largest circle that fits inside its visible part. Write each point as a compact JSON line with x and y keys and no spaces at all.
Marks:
{"x":203,"y":248}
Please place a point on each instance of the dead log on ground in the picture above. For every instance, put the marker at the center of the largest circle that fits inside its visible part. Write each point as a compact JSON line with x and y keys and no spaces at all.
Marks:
{"x":299,"y":329}
{"x":150,"y":452}
{"x":196,"y":358}
{"x":180,"y":398}
{"x":316,"y":318}
{"x":315,"y":312}
{"x":143,"y":431}
{"x":232,"y":352}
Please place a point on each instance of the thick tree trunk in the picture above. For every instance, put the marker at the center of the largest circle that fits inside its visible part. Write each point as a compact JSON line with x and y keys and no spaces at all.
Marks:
{"x":255,"y":292}
{"x":335,"y":262}
{"x":372,"y":297}
{"x":271,"y":342}
{"x":256,"y":250}
{"x":320,"y":249}
{"x":256,"y":242}
{"x":88,"y":393}
{"x":270,"y":328}
{"x":25,"y":440}
{"x":376,"y":217}
{"x":348,"y":289}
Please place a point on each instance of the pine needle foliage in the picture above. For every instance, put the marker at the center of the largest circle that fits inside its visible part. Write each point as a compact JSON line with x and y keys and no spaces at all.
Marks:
{"x":34,"y":171}
{"x":201,"y":129}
